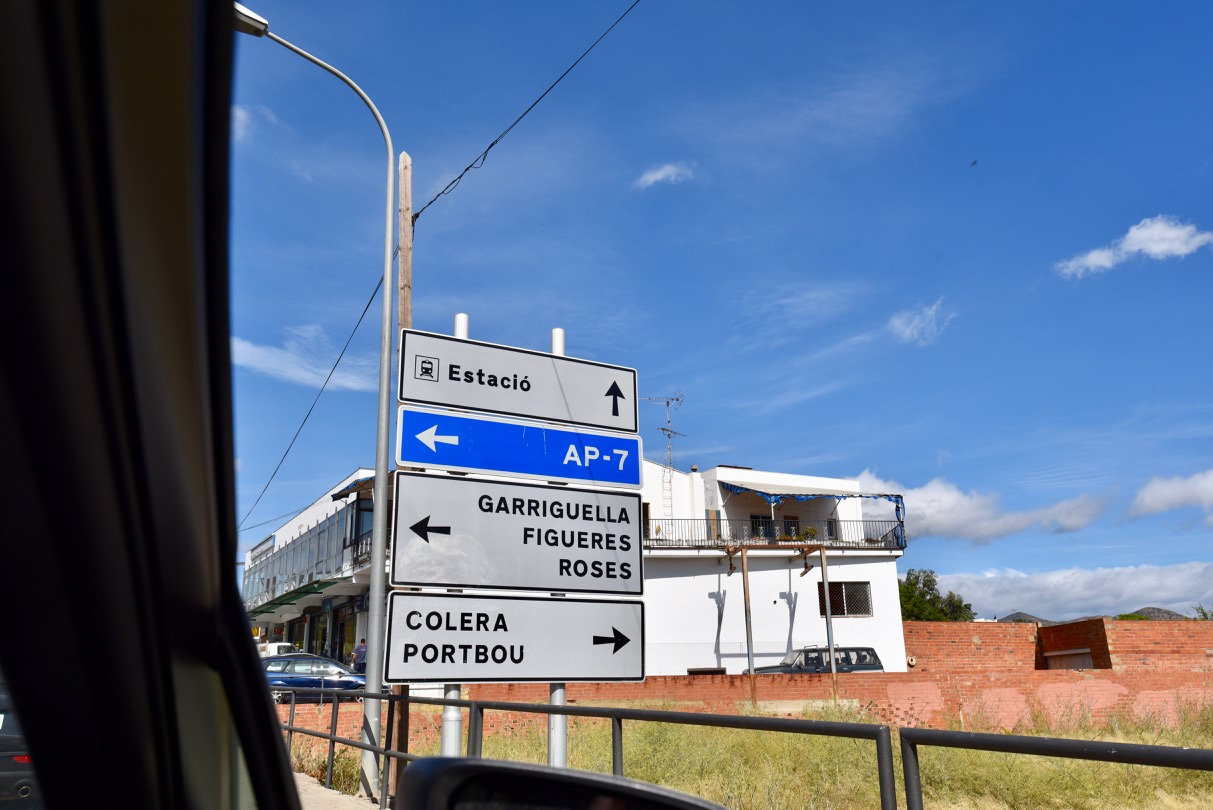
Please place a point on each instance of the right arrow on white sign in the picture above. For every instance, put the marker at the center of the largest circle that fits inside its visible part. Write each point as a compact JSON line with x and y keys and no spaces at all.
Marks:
{"x":616,"y":638}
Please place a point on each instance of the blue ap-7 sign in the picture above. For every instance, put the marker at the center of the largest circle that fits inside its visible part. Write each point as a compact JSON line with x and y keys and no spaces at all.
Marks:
{"x":436,"y":438}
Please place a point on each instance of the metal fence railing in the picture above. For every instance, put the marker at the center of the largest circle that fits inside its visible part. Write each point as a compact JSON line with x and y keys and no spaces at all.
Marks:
{"x":1197,"y":759}
{"x":911,"y":739}
{"x":714,"y":533}
{"x":878,"y":734}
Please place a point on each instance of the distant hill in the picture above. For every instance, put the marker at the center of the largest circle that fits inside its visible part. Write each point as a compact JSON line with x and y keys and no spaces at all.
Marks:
{"x":1152,"y":613}
{"x":1019,"y":617}
{"x":1160,"y":614}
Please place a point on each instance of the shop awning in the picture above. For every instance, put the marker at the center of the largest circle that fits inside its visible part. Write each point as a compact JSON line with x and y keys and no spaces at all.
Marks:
{"x":358,"y":485}
{"x":294,"y":595}
{"x":776,"y":494}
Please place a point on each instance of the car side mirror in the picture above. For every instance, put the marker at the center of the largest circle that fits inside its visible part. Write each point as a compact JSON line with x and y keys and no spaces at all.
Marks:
{"x":449,"y":783}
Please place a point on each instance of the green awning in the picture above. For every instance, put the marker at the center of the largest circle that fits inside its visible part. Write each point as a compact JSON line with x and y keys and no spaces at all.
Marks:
{"x":294,"y":595}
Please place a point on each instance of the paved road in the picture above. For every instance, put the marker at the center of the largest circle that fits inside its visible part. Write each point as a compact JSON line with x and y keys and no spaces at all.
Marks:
{"x":315,"y":796}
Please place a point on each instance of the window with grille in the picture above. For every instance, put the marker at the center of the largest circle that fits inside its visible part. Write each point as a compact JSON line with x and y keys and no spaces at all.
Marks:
{"x":846,"y":599}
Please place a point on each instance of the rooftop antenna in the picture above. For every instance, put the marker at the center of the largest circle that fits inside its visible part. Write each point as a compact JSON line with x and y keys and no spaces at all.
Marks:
{"x":669,"y":432}
{"x":667,"y":470}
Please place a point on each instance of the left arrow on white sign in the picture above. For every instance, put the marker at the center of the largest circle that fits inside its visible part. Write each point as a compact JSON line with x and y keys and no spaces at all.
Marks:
{"x":423,"y":529}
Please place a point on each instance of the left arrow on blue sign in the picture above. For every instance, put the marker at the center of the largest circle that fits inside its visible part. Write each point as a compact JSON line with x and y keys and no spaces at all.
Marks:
{"x":441,"y":439}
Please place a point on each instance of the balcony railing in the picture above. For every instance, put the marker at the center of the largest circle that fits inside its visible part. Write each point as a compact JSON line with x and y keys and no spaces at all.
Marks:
{"x":360,"y":549}
{"x":704,"y":533}
{"x":315,"y":556}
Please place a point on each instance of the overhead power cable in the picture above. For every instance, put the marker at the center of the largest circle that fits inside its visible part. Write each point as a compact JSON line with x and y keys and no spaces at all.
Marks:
{"x":283,"y":516}
{"x":475,"y":164}
{"x":332,"y":371}
{"x":479,"y":161}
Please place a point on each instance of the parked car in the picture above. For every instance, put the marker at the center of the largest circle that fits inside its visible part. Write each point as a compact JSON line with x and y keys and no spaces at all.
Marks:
{"x":307,"y":670}
{"x":266,"y":648}
{"x":18,"y":786}
{"x":817,"y":659}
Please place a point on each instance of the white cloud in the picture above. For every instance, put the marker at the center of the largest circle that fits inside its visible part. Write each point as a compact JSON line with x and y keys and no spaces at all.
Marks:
{"x":878,"y":94}
{"x":245,"y":120}
{"x":241,"y":122}
{"x":1160,"y":237}
{"x":921,"y":326}
{"x":1165,"y":494}
{"x":305,"y":359}
{"x":1075,"y":592}
{"x":941,"y":509}
{"x":669,"y":173}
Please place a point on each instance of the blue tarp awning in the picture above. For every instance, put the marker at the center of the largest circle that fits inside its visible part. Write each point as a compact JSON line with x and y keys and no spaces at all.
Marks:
{"x":777,"y":494}
{"x":357,"y":485}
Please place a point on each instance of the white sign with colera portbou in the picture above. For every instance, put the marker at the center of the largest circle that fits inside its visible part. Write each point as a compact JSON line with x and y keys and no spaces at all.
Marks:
{"x":459,"y":638}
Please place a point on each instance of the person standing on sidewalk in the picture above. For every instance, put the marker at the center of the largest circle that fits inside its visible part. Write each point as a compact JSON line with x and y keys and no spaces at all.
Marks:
{"x":359,"y":657}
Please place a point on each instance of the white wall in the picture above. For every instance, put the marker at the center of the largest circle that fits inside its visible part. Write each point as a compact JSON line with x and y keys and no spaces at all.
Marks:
{"x":695,"y":611}
{"x":681,"y":488}
{"x":317,"y":512}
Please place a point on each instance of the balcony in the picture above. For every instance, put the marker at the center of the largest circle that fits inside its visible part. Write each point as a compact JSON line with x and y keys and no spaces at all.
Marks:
{"x":693,"y":533}
{"x":360,"y":549}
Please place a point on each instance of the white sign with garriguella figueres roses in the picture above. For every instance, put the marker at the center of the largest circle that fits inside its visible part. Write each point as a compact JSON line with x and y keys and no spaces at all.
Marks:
{"x":460,"y":532}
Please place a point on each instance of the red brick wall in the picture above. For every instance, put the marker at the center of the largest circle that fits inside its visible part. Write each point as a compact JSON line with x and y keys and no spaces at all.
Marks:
{"x":1152,"y":646}
{"x":973,"y":700}
{"x":980,"y":676}
{"x":970,"y":646}
{"x":425,"y":722}
{"x":1091,"y":634}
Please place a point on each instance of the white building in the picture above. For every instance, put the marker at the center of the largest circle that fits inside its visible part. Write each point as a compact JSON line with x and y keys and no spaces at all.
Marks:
{"x":307,"y":582}
{"x":709,"y":537}
{"x":701,"y":523}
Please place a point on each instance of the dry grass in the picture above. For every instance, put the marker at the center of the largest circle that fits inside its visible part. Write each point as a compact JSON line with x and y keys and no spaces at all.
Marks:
{"x":751,"y":770}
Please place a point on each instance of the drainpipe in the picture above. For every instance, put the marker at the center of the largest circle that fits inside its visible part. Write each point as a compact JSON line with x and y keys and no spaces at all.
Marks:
{"x":825,"y":584}
{"x":749,"y":629}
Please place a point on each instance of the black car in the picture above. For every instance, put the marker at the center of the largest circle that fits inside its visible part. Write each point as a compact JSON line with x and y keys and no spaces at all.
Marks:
{"x":817,"y":659}
{"x":298,"y":670}
{"x":18,"y":786}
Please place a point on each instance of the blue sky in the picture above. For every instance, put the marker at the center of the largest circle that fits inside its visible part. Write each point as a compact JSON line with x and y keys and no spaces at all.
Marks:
{"x":962,"y":252}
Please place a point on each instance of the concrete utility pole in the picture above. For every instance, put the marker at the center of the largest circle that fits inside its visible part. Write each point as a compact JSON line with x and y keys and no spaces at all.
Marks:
{"x":404,"y":320}
{"x":404,"y":261}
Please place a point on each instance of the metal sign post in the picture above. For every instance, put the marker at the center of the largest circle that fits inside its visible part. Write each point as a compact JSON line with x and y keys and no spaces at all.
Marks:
{"x":502,"y":412}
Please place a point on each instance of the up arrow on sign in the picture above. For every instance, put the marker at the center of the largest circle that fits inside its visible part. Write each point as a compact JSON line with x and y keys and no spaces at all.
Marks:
{"x":615,"y":395}
{"x":444,"y":371}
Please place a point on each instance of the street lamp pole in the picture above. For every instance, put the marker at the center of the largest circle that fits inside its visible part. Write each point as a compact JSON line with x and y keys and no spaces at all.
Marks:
{"x":247,"y":22}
